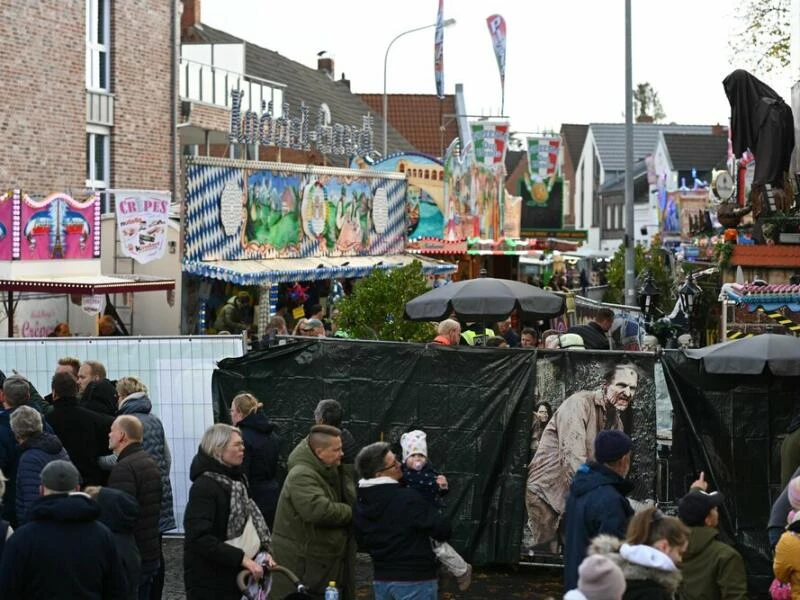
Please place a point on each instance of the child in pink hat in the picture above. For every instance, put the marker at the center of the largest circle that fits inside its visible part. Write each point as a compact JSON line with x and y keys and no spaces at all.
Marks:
{"x":419,"y":474}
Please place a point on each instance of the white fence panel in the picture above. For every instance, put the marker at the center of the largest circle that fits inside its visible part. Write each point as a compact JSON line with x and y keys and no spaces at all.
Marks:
{"x":176,"y":370}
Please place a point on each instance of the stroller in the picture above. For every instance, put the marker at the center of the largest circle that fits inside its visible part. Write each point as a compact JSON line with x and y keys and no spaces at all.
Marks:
{"x":243,"y":581}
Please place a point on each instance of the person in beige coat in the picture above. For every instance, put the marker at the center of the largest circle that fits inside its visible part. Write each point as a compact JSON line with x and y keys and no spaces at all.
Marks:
{"x":567,"y":442}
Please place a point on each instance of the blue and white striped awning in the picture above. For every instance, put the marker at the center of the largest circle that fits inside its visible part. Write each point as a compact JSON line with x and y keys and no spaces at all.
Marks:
{"x":280,"y":270}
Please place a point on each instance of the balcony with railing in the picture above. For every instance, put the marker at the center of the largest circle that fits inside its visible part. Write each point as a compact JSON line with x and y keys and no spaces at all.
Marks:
{"x":212,"y":85}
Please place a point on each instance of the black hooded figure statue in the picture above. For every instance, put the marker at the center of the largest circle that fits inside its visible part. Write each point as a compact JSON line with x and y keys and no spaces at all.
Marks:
{"x":761,"y":122}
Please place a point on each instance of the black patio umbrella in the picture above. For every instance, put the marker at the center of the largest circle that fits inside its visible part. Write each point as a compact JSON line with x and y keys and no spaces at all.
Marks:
{"x":485,"y":299}
{"x":780,"y":354}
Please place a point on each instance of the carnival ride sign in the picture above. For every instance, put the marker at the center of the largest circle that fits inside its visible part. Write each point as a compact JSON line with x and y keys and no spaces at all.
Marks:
{"x":6,"y":212}
{"x":58,"y":227}
{"x":297,"y":133}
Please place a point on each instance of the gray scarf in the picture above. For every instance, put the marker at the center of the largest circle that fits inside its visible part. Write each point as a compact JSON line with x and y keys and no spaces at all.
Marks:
{"x":242,"y":506}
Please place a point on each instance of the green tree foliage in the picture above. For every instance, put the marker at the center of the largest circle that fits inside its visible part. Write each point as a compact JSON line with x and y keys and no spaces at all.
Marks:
{"x":646,"y":104}
{"x":375,"y":308}
{"x":644,"y":260}
{"x":762,"y":40}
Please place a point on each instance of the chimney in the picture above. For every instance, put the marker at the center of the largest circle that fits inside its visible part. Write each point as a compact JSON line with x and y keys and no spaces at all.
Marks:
{"x":719,"y":130}
{"x":325,"y":65}
{"x":344,"y":82}
{"x":190,"y":16}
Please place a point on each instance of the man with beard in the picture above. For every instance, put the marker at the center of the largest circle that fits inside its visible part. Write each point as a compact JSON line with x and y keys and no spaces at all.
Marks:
{"x":567,"y":442}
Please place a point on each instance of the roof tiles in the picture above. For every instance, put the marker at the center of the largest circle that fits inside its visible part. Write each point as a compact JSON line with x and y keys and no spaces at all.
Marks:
{"x":419,"y":118}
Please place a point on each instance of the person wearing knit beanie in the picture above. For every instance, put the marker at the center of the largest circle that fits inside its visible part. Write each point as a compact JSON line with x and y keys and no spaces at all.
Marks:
{"x":599,"y":578}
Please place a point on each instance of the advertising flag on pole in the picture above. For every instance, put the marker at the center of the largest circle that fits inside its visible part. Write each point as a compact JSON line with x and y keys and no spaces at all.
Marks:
{"x":497,"y":29}
{"x":438,"y":51}
{"x":490,"y":140}
{"x":542,"y":160}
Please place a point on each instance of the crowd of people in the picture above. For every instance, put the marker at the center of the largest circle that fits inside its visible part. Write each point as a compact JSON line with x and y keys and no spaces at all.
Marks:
{"x":90,"y":461}
{"x":86,"y":490}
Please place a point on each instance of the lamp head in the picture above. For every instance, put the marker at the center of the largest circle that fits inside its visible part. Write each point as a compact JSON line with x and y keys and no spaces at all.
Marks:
{"x":448,"y":22}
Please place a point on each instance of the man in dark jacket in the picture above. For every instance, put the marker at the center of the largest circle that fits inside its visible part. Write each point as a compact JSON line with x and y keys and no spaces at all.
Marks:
{"x":596,"y":503}
{"x":97,"y":392}
{"x":37,"y":448}
{"x":63,"y":552}
{"x":137,"y":474}
{"x":395,"y":525}
{"x":16,"y":392}
{"x":595,"y":332}
{"x":83,"y":432}
{"x":119,"y":512}
{"x":133,"y":400}
{"x":712,"y":570}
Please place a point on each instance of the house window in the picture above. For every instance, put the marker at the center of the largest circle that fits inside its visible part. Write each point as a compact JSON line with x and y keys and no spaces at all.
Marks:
{"x":98,"y":159}
{"x":98,"y":45}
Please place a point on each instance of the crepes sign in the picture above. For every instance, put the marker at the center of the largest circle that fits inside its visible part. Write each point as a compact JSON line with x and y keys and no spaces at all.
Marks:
{"x":142,"y":223}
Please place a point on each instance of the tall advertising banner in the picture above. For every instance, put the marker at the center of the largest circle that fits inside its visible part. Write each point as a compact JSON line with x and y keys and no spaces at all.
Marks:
{"x":490,"y":142}
{"x":497,"y":29}
{"x":142,"y":223}
{"x":438,"y":51}
{"x":542,"y":164}
{"x":583,"y":393}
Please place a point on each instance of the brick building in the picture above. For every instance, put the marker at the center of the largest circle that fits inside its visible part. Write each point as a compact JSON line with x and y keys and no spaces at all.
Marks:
{"x":90,"y":103}
{"x":93,"y":98}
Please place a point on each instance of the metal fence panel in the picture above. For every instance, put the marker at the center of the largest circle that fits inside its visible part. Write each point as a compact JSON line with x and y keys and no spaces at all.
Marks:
{"x":177,"y":371}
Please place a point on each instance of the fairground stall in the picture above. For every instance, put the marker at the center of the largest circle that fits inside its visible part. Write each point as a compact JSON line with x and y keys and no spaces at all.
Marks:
{"x":50,"y":270}
{"x":283,"y":234}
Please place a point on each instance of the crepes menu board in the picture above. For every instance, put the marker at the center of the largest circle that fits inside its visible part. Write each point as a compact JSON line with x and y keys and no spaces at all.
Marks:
{"x":142,"y":222}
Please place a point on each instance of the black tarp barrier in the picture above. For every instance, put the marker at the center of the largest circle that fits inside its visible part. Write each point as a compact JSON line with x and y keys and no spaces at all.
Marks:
{"x":475,"y":405}
{"x":731,"y":427}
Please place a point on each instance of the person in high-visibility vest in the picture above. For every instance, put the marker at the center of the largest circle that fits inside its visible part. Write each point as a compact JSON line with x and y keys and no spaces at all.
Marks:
{"x":476,"y":334}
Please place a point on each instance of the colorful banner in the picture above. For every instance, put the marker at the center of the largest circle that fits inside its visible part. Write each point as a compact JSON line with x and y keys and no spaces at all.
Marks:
{"x":569,"y":385}
{"x":490,"y":142}
{"x":497,"y":29}
{"x":438,"y":51}
{"x":142,"y":219}
{"x":542,"y":164}
{"x":6,"y":212}
{"x":291,"y":214}
{"x":59,"y":227}
{"x":473,"y":195}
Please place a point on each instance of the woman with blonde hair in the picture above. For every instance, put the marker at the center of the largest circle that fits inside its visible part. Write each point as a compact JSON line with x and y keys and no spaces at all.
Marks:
{"x":261,"y":447}
{"x":224,"y":530}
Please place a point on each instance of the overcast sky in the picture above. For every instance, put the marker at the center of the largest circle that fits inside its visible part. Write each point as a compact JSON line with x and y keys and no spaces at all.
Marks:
{"x":565,"y":59}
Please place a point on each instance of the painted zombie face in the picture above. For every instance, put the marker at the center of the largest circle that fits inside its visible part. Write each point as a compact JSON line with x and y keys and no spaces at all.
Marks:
{"x":622,"y":387}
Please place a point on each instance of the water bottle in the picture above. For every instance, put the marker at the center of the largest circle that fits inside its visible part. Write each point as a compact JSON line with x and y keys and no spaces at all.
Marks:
{"x":331,"y":593}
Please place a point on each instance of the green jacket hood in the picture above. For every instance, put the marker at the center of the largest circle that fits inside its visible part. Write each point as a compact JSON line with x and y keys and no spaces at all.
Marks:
{"x":699,"y":540}
{"x":304,"y":455}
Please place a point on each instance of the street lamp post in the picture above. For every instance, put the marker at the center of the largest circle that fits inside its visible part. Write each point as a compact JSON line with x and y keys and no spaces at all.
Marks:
{"x":689,"y":294}
{"x":446,"y":23}
{"x":648,"y":297}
